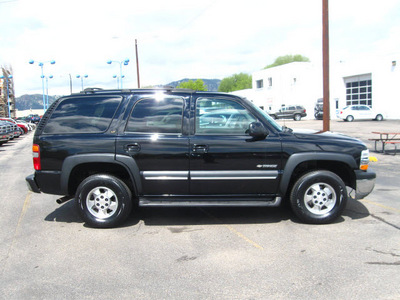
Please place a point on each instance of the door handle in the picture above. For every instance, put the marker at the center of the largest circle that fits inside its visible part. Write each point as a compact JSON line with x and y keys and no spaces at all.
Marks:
{"x":200,"y":149}
{"x":132,"y":148}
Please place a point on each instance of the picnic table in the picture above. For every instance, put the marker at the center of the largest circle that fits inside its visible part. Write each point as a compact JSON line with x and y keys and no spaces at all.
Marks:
{"x":385,"y":138}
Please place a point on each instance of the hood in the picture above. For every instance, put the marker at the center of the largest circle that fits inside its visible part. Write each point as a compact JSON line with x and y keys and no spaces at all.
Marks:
{"x":327,"y":135}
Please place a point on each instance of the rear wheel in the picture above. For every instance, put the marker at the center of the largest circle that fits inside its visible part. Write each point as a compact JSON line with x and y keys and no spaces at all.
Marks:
{"x":318,"y":197}
{"x":297,"y":117}
{"x":350,"y":118}
{"x":103,"y":200}
{"x":379,"y":117}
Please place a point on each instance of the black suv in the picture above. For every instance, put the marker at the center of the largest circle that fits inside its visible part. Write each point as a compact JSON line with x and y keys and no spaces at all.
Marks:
{"x":295,"y":112}
{"x":113,"y":149}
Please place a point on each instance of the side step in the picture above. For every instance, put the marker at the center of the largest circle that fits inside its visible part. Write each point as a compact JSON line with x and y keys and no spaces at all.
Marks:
{"x":64,"y":199}
{"x":196,"y":203}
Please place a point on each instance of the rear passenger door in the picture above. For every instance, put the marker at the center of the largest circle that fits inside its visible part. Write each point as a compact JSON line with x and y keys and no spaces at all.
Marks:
{"x":154,"y":139}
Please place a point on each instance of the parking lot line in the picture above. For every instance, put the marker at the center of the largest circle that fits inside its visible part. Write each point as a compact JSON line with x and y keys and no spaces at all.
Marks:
{"x":237,"y":233}
{"x":380,"y":205}
{"x":24,"y":209}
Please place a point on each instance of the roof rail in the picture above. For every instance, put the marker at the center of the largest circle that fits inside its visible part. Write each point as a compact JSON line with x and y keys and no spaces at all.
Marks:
{"x":91,"y":90}
{"x":94,"y":90}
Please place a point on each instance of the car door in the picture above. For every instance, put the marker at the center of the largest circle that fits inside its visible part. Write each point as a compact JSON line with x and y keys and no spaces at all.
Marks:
{"x":154,"y":140}
{"x":224,"y":160}
{"x":365,"y":112}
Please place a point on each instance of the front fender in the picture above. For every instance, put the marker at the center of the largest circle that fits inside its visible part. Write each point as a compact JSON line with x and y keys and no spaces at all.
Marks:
{"x":298,"y":158}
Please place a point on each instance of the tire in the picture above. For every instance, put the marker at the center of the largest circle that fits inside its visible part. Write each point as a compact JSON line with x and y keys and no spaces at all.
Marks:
{"x":273,"y":117}
{"x":103,"y":201}
{"x":379,"y":117}
{"x":297,"y":117}
{"x":318,"y":197}
{"x":350,"y":118}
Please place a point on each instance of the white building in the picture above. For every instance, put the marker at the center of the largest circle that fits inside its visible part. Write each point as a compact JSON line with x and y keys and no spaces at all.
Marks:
{"x":373,"y":84}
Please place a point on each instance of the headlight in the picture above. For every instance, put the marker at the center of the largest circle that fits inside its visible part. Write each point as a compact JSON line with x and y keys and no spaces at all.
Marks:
{"x":364,"y":160}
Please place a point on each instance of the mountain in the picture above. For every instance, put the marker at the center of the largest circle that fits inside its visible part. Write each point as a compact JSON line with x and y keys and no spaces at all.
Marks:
{"x":35,"y":101}
{"x":212,"y":84}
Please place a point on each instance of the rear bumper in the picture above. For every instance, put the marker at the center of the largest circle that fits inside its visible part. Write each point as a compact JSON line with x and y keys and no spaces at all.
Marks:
{"x":365,"y":183}
{"x":32,"y":185}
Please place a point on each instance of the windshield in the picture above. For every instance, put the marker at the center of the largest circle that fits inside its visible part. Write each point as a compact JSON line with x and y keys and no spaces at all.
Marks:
{"x":267,"y":116}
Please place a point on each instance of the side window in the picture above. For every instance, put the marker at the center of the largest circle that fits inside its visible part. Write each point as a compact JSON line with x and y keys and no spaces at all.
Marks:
{"x":150,"y":115}
{"x":221,"y":116}
{"x":82,"y":115}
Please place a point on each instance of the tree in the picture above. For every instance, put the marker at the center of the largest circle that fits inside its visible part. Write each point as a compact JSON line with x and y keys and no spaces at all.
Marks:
{"x":197,"y":85}
{"x":282,"y":60}
{"x":235,"y":82}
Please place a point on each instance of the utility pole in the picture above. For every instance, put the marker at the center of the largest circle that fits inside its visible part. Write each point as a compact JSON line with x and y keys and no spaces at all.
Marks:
{"x":137,"y":65}
{"x":325,"y":59}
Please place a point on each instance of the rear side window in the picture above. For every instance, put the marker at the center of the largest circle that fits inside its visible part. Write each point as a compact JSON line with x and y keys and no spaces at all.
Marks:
{"x":83,"y":115}
{"x":151,"y":115}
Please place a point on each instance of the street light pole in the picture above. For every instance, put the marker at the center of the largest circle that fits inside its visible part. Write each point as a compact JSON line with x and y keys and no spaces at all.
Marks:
{"x":41,"y":64}
{"x":81,"y":77}
{"x":137,"y":64}
{"x":124,"y":62}
{"x":47,"y":90}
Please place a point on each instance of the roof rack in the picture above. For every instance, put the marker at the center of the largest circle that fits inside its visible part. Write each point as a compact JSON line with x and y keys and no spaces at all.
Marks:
{"x":91,"y":90}
{"x":94,"y":90}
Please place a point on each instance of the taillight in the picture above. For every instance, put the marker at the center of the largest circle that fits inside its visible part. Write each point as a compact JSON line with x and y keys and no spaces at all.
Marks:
{"x":36,"y":157}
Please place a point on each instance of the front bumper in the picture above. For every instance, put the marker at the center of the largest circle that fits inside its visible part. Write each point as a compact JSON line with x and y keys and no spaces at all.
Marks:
{"x":365,"y":184}
{"x":32,"y":185}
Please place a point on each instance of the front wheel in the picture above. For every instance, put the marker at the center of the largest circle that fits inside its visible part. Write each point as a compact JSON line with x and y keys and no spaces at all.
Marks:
{"x":318,"y":197}
{"x":103,"y":200}
{"x":379,"y":117}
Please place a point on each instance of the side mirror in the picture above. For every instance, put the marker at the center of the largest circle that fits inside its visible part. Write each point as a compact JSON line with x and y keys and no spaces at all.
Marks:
{"x":257,"y":130}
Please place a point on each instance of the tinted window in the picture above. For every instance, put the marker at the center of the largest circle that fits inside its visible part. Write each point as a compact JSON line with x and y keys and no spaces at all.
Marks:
{"x":221,"y":116}
{"x":151,"y":115}
{"x":82,"y":115}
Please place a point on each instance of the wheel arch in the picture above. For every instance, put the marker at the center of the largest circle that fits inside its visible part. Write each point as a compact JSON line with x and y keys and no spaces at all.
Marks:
{"x":297,"y":165}
{"x":78,"y":167}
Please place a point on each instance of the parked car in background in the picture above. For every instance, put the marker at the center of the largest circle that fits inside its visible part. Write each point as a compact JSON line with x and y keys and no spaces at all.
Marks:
{"x":33,"y":118}
{"x":4,"y":133}
{"x":359,"y":112}
{"x":24,"y":128}
{"x":295,"y":112}
{"x":9,"y":129}
{"x":319,"y":109}
{"x":14,"y":129}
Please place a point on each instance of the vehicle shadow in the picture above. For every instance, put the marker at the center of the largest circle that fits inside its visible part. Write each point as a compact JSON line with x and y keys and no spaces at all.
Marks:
{"x":356,"y":210}
{"x":65,"y":213}
{"x":180,"y":216}
{"x":164,"y":216}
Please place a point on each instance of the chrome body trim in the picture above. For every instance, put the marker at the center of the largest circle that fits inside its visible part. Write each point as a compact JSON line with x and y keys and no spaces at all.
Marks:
{"x":233,"y":175}
{"x":165,"y":175}
{"x":209,"y":175}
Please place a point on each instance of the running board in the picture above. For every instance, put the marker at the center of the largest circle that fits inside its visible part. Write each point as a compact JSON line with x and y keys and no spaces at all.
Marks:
{"x":188,"y":203}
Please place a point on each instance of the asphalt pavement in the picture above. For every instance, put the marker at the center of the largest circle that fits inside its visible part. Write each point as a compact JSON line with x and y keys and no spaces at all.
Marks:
{"x":47,"y":252}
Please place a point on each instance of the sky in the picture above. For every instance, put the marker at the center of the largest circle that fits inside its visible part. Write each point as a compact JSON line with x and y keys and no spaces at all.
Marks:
{"x":178,"y":39}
